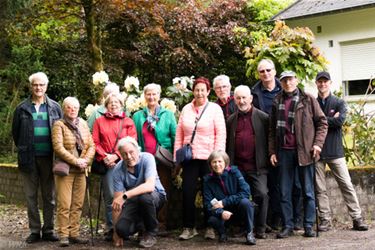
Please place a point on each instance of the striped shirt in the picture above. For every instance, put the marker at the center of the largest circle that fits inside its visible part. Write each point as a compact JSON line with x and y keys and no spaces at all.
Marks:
{"x":42,"y":133}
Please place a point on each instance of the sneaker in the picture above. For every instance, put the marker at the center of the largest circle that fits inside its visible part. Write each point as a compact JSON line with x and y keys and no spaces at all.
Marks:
{"x":359,"y":225}
{"x":324,"y":225}
{"x":64,"y":242}
{"x":188,"y":233}
{"x":285,"y":233}
{"x":33,"y":237}
{"x":147,"y":241}
{"x":250,"y":239}
{"x":77,"y":240}
{"x":50,"y":237}
{"x":209,"y":234}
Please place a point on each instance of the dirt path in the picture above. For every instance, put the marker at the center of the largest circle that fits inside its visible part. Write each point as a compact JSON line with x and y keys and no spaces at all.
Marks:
{"x":14,"y":229}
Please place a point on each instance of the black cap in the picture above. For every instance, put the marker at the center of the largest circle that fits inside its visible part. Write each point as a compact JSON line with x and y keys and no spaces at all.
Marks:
{"x":323,"y":74}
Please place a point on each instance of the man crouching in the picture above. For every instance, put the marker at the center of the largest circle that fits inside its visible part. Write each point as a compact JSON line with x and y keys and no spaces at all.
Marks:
{"x":138,"y":195}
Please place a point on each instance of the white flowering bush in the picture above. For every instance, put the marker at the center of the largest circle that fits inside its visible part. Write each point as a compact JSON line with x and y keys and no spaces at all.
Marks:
{"x":180,"y":91}
{"x":100,"y":78}
{"x":131,"y":84}
{"x":168,"y":104}
{"x":90,"y":109}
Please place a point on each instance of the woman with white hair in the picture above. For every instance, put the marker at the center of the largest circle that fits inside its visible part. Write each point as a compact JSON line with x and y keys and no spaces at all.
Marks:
{"x":107,"y":131}
{"x":156,"y":126}
{"x":72,"y":143}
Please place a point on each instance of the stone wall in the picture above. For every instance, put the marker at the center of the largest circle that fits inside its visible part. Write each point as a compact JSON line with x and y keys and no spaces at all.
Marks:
{"x":363,"y":179}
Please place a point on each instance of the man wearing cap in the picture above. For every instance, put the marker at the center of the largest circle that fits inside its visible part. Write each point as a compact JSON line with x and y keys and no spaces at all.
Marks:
{"x":298,"y":128}
{"x":333,"y":155}
{"x":222,"y":88}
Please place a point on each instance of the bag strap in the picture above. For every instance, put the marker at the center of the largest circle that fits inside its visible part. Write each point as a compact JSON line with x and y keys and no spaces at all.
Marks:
{"x":118,"y":135}
{"x":196,"y":123}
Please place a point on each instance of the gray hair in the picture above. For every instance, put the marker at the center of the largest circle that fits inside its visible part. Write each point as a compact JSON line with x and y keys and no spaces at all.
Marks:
{"x":223,"y":78}
{"x":121,"y":143}
{"x":40,"y":76}
{"x":70,"y":100}
{"x":118,"y":96}
{"x":242,"y":88}
{"x":152,"y":86}
{"x":266,"y":60}
{"x":110,"y":88}
{"x":218,"y":154}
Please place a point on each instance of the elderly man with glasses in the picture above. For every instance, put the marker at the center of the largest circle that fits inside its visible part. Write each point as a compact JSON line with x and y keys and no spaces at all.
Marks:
{"x":222,"y":86}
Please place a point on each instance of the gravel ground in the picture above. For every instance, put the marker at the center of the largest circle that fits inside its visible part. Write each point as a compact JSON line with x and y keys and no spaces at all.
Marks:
{"x":14,"y":229}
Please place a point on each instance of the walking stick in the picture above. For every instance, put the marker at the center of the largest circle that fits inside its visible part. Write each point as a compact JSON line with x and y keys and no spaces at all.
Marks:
{"x":99,"y":201}
{"x":316,"y":200}
{"x":89,"y":205}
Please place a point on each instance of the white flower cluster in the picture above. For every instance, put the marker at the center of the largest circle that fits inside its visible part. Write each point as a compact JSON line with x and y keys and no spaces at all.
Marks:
{"x":99,"y":78}
{"x":183,"y":82}
{"x":90,"y":109}
{"x":168,"y":104}
{"x":134,"y":103}
{"x":131,"y":83}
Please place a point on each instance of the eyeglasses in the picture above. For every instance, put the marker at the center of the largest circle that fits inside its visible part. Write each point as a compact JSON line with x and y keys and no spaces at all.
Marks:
{"x":264,"y":70}
{"x":38,"y":85}
{"x":222,"y":87}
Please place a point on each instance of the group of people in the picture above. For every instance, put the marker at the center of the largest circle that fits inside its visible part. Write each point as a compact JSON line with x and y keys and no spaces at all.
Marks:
{"x":255,"y":151}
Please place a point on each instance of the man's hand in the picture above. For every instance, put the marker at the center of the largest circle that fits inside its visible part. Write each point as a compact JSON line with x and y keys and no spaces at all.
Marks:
{"x":273,"y":160}
{"x":218,"y":204}
{"x":117,"y":203}
{"x":226,"y":215}
{"x":336,"y":115}
{"x":316,"y":151}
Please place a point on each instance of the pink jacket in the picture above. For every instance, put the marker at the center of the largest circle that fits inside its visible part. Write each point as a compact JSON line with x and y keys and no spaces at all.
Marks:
{"x":210,"y":134}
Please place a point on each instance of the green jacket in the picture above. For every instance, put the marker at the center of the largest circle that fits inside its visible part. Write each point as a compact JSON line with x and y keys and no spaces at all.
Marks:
{"x":165,"y":129}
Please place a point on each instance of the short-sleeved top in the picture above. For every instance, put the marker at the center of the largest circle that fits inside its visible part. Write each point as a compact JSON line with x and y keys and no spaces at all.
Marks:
{"x":145,"y":168}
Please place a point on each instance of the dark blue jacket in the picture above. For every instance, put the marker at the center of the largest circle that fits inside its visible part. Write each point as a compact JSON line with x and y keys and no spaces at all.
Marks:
{"x":258,"y":101}
{"x":333,"y":146}
{"x":235,"y":185}
{"x":23,"y":131}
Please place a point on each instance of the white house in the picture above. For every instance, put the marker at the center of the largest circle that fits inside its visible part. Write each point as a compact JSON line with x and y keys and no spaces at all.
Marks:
{"x":345,"y":32}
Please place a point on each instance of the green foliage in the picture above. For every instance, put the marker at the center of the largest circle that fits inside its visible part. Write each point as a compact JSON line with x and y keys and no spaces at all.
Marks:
{"x":290,"y":49}
{"x":360,"y":128}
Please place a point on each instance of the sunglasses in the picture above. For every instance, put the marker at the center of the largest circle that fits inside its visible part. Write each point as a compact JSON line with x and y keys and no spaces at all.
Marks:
{"x":264,"y":70}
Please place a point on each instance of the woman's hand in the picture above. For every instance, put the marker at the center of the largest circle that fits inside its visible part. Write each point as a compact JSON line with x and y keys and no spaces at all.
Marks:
{"x":110,"y":160}
{"x":81,"y":163}
{"x":176,"y":170}
{"x":218,"y":204}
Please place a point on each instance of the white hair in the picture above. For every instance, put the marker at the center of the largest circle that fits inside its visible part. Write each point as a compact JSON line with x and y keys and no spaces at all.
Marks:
{"x":223,"y":78}
{"x":121,"y":143}
{"x":38,"y":76}
{"x":110,"y":88}
{"x":70,"y":100}
{"x":152,"y":86}
{"x":118,"y":96}
{"x":244,"y":88}
{"x":266,"y":60}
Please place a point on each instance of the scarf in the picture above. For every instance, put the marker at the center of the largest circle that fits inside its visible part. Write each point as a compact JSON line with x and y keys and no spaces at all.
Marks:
{"x":73,"y":126}
{"x":281,"y":122}
{"x":152,"y":119}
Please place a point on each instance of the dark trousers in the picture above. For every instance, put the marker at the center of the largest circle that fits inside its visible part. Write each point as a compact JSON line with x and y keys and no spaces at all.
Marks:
{"x":190,"y":174}
{"x":165,"y":179}
{"x":259,"y":193}
{"x":140,"y":211}
{"x":274,"y":211}
{"x":243,"y":212}
{"x":43,"y":176}
{"x":289,"y":173}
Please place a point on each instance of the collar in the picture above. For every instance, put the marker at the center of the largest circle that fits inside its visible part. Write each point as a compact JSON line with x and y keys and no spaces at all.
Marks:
{"x":112,"y":116}
{"x":220,"y":102}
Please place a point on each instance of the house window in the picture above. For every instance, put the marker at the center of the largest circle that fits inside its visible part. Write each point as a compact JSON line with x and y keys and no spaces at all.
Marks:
{"x":356,"y":87}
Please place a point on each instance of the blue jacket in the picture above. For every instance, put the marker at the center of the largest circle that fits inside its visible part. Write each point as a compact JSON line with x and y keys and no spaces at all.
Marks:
{"x":258,"y":100}
{"x":23,"y":131}
{"x":333,"y":147}
{"x":235,"y":185}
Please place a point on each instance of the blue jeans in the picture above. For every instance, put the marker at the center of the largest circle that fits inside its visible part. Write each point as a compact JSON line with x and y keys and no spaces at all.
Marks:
{"x":289,"y":175}
{"x":107,"y":180}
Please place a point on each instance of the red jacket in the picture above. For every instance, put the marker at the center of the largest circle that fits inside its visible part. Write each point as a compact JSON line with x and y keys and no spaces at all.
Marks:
{"x":105,"y":132}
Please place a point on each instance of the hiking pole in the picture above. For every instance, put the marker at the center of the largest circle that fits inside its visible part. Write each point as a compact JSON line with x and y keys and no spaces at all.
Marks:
{"x":316,"y":200}
{"x":99,"y":201}
{"x":89,"y":205}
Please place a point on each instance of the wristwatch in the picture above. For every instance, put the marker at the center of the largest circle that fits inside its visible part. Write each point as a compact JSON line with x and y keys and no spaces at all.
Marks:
{"x":124,"y":196}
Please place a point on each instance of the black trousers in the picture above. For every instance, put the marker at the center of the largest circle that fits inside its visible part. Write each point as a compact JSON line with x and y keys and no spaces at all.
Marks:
{"x":259,"y":193}
{"x":190,"y":174}
{"x":140,"y":213}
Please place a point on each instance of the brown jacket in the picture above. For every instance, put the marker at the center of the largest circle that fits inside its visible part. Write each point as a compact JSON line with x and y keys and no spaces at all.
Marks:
{"x":310,"y":127}
{"x":64,"y":144}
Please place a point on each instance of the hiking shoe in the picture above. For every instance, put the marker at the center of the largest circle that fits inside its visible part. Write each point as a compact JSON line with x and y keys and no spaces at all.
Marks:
{"x":147,"y":241}
{"x":285,"y":233}
{"x":109,"y":235}
{"x":64,"y":242}
{"x":250,"y":239}
{"x":309,"y":232}
{"x":33,"y":237}
{"x":223,"y":238}
{"x":188,"y":233}
{"x":359,"y":225}
{"x":78,"y":240}
{"x":50,"y":237}
{"x":324,"y":225}
{"x":209,"y":234}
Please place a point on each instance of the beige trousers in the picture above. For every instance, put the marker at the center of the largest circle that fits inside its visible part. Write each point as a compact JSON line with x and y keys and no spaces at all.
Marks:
{"x":340,"y":172}
{"x":70,"y":195}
